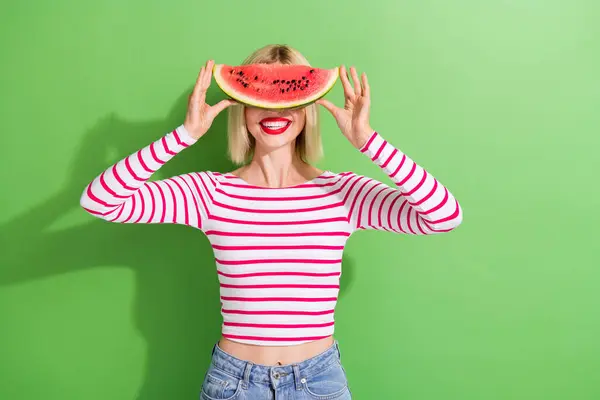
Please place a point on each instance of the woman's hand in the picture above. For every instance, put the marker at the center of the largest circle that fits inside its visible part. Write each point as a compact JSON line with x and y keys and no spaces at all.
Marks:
{"x":200,"y":115}
{"x":353,"y":119}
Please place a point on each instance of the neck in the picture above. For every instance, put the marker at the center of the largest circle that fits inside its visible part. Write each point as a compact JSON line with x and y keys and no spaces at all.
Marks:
{"x":277,"y":167}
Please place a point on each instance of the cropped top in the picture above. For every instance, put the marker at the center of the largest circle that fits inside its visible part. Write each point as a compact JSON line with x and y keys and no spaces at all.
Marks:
{"x":278,"y":251}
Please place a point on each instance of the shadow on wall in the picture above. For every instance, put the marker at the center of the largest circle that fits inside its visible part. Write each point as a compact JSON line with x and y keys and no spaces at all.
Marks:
{"x":177,"y":300}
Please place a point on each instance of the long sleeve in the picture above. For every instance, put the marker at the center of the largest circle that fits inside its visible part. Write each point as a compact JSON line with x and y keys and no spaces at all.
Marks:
{"x":418,"y":205}
{"x":123,"y":192}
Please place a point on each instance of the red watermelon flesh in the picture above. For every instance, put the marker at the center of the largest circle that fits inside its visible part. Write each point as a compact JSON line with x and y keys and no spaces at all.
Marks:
{"x":275,"y":85}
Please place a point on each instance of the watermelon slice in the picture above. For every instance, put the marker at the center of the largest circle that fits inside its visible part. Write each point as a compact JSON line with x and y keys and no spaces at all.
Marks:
{"x":274,"y":85}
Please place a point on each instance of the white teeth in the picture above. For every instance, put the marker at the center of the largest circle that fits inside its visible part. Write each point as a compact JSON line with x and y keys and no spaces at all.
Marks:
{"x":274,"y":125}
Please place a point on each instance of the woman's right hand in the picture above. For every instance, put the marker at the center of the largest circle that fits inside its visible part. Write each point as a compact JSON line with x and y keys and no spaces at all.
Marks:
{"x":200,"y":115}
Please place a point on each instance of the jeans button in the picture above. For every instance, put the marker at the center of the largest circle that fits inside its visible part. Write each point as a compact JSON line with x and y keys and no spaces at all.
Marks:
{"x":276,"y":375}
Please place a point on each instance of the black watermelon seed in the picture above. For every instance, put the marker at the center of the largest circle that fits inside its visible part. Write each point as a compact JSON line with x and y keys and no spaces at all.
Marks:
{"x":288,"y":82}
{"x":301,"y":87}
{"x":293,"y":81}
{"x":311,"y":71}
{"x":282,"y":90}
{"x":303,"y":77}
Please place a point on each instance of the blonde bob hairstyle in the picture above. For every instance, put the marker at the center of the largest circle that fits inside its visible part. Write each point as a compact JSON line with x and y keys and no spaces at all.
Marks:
{"x":241,"y":143}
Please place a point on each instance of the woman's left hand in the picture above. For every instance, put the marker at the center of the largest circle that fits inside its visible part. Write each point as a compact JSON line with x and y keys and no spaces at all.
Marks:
{"x":353,"y":119}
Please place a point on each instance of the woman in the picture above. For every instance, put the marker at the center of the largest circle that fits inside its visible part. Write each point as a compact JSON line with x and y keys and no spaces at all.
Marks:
{"x":278,"y":226}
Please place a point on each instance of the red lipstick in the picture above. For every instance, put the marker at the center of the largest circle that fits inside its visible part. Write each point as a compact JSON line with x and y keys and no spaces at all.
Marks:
{"x":274,"y":126}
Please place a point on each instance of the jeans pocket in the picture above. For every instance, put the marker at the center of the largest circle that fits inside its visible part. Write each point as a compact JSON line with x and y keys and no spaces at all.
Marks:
{"x":328,"y":384}
{"x":219,"y":385}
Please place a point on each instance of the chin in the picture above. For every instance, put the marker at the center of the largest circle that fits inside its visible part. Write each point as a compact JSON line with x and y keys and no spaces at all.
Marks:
{"x":276,"y":141}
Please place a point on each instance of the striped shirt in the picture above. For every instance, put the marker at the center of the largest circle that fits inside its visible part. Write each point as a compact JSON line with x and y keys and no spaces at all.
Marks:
{"x":278,"y":251}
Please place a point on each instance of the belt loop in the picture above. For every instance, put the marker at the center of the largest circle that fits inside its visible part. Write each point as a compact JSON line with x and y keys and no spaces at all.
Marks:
{"x":337,"y":346}
{"x":247,"y":370}
{"x":297,"y":376}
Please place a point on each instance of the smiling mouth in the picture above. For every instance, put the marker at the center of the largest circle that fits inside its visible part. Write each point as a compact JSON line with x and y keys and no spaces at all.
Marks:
{"x":274,"y":126}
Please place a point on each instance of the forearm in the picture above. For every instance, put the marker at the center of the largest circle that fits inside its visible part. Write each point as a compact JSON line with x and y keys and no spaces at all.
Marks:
{"x":418,"y":204}
{"x":113,"y":193}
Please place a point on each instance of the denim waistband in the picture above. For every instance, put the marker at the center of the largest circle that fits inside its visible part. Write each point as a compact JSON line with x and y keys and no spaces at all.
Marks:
{"x":283,"y":374}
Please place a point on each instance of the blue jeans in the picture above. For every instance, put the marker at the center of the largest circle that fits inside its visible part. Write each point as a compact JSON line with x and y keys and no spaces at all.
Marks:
{"x":321,"y":377}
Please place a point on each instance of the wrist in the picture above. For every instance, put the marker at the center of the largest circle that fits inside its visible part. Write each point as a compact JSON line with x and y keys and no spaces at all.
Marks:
{"x":187,"y":134}
{"x":363,"y":137}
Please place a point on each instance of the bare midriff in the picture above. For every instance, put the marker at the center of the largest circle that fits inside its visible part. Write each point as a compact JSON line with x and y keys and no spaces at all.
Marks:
{"x":275,"y":355}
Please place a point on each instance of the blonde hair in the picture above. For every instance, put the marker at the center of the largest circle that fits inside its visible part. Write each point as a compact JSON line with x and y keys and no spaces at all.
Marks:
{"x":241,"y":142}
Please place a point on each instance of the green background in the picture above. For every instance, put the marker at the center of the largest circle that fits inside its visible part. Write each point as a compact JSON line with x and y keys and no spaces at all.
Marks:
{"x":497,"y":99}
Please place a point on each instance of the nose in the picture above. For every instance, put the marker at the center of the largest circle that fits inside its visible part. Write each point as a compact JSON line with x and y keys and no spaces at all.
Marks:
{"x":275,"y":113}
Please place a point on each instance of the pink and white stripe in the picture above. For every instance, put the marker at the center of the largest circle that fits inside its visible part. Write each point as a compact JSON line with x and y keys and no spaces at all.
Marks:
{"x":277,"y":251}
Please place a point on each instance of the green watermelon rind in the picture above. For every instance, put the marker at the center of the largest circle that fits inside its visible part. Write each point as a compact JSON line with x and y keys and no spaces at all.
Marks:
{"x":274,"y":105}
